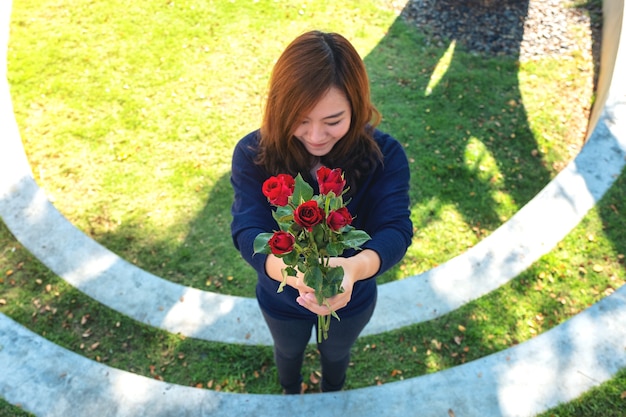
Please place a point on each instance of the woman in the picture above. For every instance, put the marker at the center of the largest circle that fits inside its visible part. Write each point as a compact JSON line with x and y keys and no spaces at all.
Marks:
{"x":318,"y":112}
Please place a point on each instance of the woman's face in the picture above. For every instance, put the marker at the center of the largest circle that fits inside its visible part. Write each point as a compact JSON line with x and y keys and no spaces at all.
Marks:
{"x":325,"y":124}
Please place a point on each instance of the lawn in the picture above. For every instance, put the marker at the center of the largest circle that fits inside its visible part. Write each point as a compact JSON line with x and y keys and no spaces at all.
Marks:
{"x":129,"y":113}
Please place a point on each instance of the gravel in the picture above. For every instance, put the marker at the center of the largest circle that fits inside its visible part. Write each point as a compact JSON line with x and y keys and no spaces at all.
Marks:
{"x":525,"y":29}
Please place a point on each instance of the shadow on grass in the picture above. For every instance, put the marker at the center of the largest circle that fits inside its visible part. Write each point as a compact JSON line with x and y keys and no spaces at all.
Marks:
{"x":462,"y":120}
{"x":454,"y":112}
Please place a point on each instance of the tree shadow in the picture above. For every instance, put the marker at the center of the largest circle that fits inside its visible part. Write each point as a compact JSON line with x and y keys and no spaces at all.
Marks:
{"x":468,"y":127}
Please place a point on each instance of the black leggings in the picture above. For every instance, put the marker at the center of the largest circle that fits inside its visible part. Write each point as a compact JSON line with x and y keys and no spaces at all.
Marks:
{"x":292,"y":336}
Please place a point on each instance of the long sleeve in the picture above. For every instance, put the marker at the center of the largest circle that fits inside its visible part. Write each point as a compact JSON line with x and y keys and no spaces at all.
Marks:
{"x":251,"y":212}
{"x":382,"y":205}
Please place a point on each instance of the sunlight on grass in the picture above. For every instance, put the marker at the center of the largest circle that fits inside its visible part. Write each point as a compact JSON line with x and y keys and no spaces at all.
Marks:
{"x":555,"y":128}
{"x":130,"y":127}
{"x":480,"y":161}
{"x":482,"y":164}
{"x":440,"y":69}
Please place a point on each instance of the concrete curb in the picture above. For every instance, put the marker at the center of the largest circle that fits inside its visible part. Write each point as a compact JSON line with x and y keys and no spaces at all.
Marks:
{"x":555,"y":367}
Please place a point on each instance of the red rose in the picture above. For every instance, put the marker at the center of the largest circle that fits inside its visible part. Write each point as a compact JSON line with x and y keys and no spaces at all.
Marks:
{"x":281,"y":243}
{"x":338,"y":218}
{"x":308,"y":215}
{"x":330,"y":180}
{"x":278,"y":189}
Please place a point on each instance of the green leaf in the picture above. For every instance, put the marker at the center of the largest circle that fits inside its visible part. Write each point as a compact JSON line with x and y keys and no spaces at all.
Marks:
{"x":355,"y":238}
{"x":260,"y":244}
{"x":302,"y":191}
{"x":314,"y":279}
{"x":291,"y":271}
{"x":291,"y":258}
{"x":284,"y":217}
{"x":332,"y":282}
{"x":335,"y":203}
{"x":334,"y":276}
{"x":335,"y":248}
{"x":318,"y":236}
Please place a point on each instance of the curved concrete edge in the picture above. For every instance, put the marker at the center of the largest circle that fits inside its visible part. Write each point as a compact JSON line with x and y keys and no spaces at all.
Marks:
{"x":527,"y":379}
{"x":118,"y":284}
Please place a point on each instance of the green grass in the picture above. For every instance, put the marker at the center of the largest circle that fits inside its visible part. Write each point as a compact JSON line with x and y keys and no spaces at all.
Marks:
{"x":129,"y":113}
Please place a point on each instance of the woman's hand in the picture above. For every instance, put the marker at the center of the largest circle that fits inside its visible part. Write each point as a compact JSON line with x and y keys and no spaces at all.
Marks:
{"x":363,"y":265}
{"x":337,"y":302}
{"x":274,"y":266}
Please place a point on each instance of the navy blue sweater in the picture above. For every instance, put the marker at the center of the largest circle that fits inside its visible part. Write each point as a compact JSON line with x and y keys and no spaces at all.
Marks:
{"x":380,"y":207}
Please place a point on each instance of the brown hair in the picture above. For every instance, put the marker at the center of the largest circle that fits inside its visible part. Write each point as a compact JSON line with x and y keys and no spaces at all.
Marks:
{"x":312,"y":64}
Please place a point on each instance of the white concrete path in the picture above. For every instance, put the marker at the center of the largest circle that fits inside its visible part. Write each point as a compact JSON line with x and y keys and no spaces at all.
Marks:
{"x":557,"y":366}
{"x":554,"y":367}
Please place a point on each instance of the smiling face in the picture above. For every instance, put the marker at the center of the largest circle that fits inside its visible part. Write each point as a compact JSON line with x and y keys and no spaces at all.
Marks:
{"x":325,"y":124}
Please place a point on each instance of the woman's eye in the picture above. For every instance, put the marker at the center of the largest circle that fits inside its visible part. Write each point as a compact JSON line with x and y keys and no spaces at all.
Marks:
{"x":334,"y":123}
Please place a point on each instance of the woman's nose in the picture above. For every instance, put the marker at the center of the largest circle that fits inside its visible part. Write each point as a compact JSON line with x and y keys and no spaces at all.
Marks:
{"x":316,"y":132}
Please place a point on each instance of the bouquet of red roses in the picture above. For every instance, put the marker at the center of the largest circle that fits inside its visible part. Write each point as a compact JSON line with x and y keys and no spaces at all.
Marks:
{"x":312,"y":229}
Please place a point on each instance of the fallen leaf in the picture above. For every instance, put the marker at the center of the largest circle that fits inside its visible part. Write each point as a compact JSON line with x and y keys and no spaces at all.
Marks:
{"x":313,"y":378}
{"x":451,"y":413}
{"x":461,"y":328}
{"x":458,"y":339}
{"x":396,"y":372}
{"x":3,"y":302}
{"x":623,"y":396}
{"x":598,"y":268}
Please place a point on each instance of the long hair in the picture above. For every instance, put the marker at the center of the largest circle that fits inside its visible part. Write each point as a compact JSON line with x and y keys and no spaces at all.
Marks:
{"x":310,"y":65}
